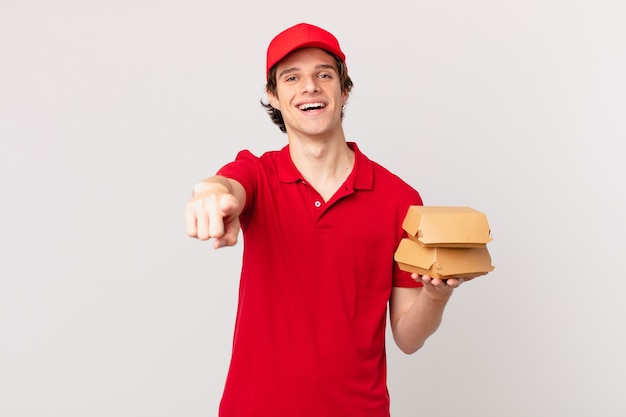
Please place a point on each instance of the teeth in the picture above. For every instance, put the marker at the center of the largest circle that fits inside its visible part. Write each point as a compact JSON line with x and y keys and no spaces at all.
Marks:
{"x":311,"y":106}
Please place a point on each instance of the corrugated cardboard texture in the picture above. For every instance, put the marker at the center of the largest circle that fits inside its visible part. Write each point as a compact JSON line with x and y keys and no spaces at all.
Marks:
{"x":443,"y":226}
{"x":443,"y":262}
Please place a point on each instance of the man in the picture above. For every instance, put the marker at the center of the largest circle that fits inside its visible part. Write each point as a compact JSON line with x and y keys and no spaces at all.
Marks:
{"x":321,"y":223}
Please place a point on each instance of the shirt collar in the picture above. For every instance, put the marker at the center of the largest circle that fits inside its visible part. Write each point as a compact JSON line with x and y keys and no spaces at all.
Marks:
{"x":361,"y":178}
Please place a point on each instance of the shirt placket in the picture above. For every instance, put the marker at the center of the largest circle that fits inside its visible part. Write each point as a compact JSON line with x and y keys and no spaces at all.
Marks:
{"x":316,"y":204}
{"x":314,"y":201}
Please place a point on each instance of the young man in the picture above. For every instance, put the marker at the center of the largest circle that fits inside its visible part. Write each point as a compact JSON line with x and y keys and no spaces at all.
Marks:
{"x":321,"y":223}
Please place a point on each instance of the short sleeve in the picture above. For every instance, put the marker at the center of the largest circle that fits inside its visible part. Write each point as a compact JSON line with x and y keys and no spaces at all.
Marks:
{"x":403,"y":278}
{"x":244,"y":169}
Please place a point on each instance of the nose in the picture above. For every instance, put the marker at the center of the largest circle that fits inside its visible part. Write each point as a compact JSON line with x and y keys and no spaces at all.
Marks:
{"x":310,"y":84}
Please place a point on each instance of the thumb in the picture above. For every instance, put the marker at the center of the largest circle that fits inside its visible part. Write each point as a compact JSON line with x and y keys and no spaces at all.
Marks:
{"x":231,"y":232}
{"x":229,"y":209}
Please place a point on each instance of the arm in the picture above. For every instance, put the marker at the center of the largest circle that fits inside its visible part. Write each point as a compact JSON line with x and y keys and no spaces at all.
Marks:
{"x":214,"y":209}
{"x":416,"y":313}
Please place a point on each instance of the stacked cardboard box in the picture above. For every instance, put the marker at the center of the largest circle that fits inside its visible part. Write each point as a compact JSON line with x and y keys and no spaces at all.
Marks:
{"x":445,"y":242}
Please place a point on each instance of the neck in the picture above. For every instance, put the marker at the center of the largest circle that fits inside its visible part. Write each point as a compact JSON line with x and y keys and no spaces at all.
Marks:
{"x":325,"y":165}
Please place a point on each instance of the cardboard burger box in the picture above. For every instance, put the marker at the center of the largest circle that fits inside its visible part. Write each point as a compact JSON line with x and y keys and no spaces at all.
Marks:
{"x":445,"y":242}
{"x":443,"y":263}
{"x":445,"y":226}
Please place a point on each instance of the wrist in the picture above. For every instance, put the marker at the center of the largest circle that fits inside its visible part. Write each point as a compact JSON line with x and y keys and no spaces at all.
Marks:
{"x":209,"y":186}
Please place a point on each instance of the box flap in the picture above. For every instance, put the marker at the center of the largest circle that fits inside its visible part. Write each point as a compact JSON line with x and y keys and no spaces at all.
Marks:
{"x":412,"y":253}
{"x":447,"y":226}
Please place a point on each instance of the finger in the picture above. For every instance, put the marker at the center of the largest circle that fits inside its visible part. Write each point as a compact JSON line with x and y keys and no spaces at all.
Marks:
{"x":427,"y":279}
{"x":190,"y":220}
{"x":442,"y":283}
{"x":454,"y":282}
{"x":437,"y":282}
{"x":215,"y":217}
{"x":228,"y":205}
{"x":202,"y":220}
{"x":416,"y":277}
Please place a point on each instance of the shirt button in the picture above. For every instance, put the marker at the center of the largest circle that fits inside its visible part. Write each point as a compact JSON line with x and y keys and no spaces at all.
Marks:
{"x":318,"y":204}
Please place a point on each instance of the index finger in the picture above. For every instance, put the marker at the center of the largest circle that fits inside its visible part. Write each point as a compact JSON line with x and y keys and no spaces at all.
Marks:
{"x":215,"y":217}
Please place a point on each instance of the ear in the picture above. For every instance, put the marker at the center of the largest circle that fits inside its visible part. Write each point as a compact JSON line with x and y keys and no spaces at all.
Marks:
{"x":273,"y":100}
{"x":345,"y":95}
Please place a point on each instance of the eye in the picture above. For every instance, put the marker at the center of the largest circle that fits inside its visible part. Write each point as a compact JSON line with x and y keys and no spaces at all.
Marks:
{"x":324,"y":75}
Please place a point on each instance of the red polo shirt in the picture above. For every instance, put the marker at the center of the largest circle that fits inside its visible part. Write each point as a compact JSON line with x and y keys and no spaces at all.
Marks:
{"x":309,"y":336}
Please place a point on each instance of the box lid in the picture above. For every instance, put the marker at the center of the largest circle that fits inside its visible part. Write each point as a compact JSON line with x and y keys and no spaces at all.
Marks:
{"x":447,"y":226}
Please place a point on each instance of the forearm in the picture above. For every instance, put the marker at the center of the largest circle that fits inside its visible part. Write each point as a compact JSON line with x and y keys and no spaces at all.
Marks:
{"x":213,"y":183}
{"x":412,"y":328}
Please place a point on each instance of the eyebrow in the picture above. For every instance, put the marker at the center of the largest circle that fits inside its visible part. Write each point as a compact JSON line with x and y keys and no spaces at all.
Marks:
{"x":296,"y":69}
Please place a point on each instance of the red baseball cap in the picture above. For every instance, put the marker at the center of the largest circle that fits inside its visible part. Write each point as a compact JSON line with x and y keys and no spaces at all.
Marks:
{"x":302,"y":35}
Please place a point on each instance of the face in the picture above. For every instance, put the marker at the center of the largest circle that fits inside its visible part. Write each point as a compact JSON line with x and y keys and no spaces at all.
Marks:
{"x":308,"y":93}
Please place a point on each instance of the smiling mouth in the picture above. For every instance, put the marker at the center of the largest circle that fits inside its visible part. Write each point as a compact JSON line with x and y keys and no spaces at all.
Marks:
{"x":312,"y":106}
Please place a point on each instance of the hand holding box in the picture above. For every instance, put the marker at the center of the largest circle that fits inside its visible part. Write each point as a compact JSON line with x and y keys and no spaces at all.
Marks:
{"x":445,"y":242}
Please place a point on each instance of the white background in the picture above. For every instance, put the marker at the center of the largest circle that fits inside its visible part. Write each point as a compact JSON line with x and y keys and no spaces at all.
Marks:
{"x":110,"y":111}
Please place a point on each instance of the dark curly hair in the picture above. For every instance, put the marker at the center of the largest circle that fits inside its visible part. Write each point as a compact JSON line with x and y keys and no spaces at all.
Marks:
{"x":275,"y":114}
